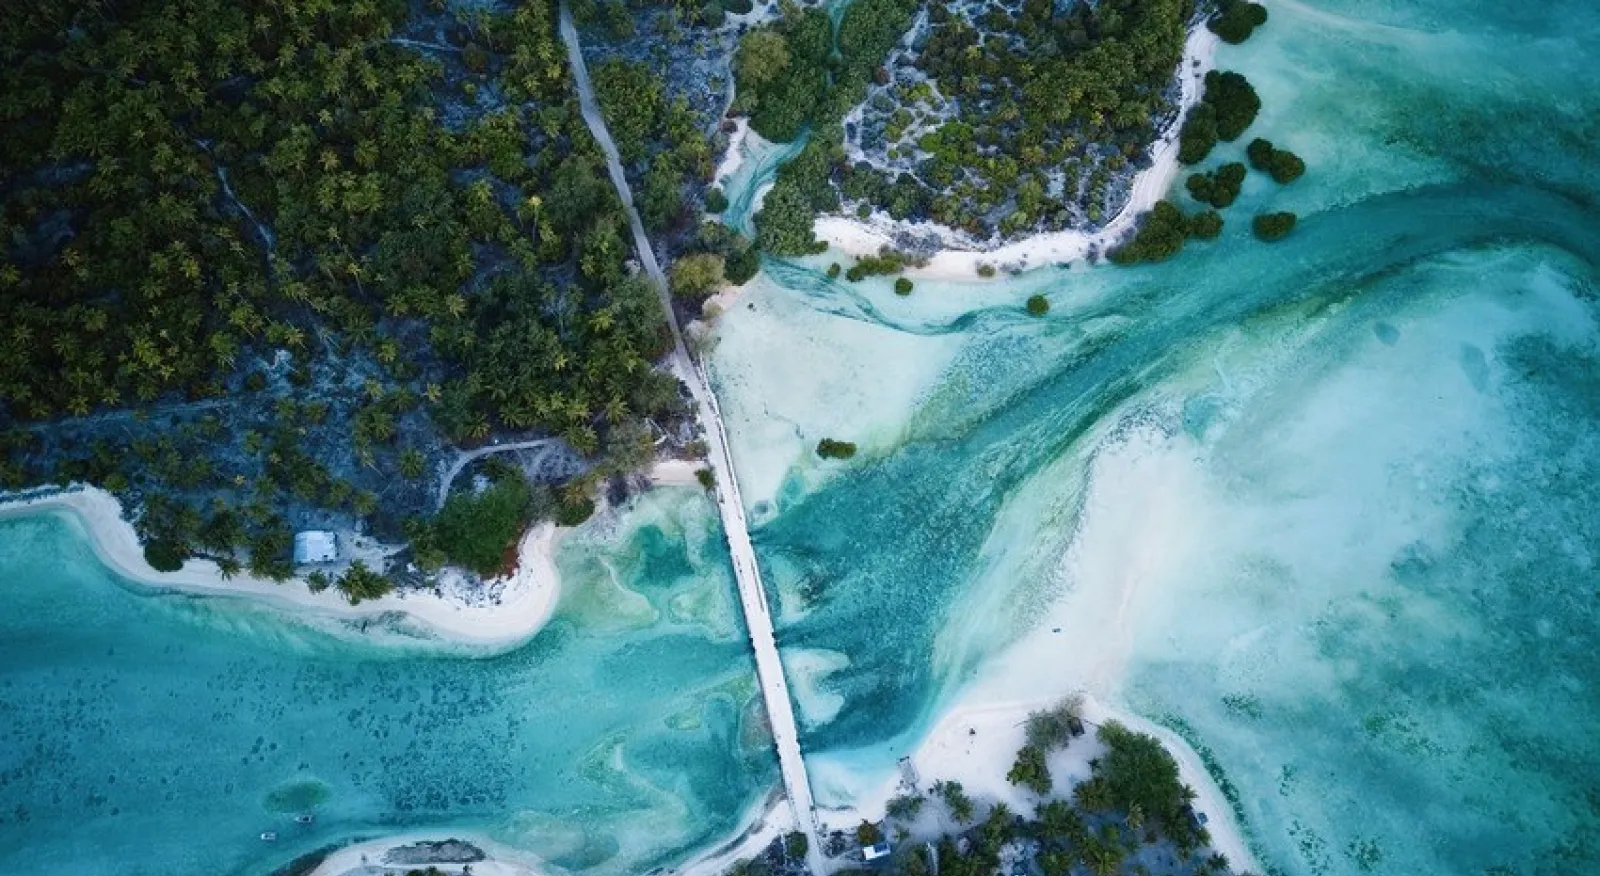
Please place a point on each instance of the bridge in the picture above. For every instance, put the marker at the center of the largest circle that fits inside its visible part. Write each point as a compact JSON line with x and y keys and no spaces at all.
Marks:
{"x":752,"y":593}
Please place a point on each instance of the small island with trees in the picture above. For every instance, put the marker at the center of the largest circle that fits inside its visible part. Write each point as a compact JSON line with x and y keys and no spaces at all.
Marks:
{"x":1130,"y":813}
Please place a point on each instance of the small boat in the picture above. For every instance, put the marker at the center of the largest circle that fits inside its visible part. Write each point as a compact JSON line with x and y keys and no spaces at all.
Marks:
{"x":304,"y":819}
{"x":269,"y":836}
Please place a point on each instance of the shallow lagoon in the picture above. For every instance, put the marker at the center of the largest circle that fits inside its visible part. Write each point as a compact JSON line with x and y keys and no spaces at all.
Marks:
{"x":1326,"y":507}
{"x":161,"y":733}
{"x":1329,"y":508}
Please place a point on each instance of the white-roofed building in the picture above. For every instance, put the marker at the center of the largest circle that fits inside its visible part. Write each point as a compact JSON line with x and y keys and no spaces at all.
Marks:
{"x":315,"y":546}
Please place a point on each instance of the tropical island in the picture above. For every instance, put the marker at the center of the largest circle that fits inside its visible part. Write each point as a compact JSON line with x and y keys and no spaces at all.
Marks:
{"x":289,"y":354}
{"x":246,"y":336}
{"x":1081,"y":796}
{"x":297,"y":268}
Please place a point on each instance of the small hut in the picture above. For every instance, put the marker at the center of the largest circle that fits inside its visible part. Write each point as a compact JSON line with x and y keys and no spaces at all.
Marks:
{"x":315,"y":546}
{"x":875,"y":851}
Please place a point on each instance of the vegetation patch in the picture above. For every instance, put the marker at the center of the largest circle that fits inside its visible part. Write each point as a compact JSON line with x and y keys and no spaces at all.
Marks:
{"x":474,"y":531}
{"x":1273,"y":226}
{"x":1282,"y":165}
{"x":1227,"y":107}
{"x":1220,"y":187}
{"x":267,"y":262}
{"x":828,"y":448}
{"x":1162,"y":234}
{"x":1236,"y":20}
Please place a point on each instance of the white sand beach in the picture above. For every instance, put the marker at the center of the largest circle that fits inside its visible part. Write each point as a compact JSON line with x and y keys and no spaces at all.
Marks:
{"x":733,"y":156}
{"x":387,"y":857}
{"x":976,"y":742}
{"x":519,"y":607}
{"x":766,"y":821}
{"x":676,"y":473}
{"x":960,"y":259}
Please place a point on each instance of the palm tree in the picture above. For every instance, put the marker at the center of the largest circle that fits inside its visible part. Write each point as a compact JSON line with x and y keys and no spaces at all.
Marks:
{"x":1103,"y":859}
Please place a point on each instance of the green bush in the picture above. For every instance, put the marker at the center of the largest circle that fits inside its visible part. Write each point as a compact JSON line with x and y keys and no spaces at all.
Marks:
{"x":742,"y":266}
{"x":833,"y":271}
{"x":986,"y":270}
{"x":1259,"y":153}
{"x":359,"y":582}
{"x":1234,"y":100}
{"x":1160,"y":237}
{"x":1199,"y":134}
{"x":737,"y":7}
{"x":716,"y":201}
{"x":1218,"y":188}
{"x":828,"y":448}
{"x":475,"y":531}
{"x":1052,"y":728}
{"x":1137,"y":770}
{"x":1282,"y":165}
{"x":795,"y":845}
{"x":1286,"y":167}
{"x":695,"y":276}
{"x":1206,"y":226}
{"x":1038,"y":305}
{"x":1030,"y":770}
{"x":706,"y":477}
{"x":165,"y":555}
{"x":902,"y":286}
{"x":1236,"y":20}
{"x":1273,"y":226}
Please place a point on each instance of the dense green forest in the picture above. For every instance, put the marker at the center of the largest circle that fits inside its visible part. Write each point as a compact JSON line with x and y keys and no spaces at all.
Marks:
{"x":1018,"y":131}
{"x":662,"y":85}
{"x":796,"y":76}
{"x":264,"y":224}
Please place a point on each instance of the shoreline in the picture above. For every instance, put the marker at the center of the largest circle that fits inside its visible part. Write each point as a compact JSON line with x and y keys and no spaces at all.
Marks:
{"x":762,"y":824}
{"x":368,"y":857}
{"x":1080,"y":646}
{"x":499,"y":615}
{"x":956,"y":261}
{"x":976,"y":741}
{"x":525,"y":603}
{"x":765,"y":821}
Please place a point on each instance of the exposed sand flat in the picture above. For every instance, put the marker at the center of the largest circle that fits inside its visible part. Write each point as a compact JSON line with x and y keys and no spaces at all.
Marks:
{"x":389,"y":857}
{"x":1081,"y":646}
{"x":524,"y":604}
{"x":959,"y":261}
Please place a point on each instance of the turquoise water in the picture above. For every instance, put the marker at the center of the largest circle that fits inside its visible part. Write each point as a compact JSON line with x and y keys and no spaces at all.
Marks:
{"x":161,"y":734}
{"x":1347,"y":484}
{"x":1349,"y":481}
{"x":758,"y":166}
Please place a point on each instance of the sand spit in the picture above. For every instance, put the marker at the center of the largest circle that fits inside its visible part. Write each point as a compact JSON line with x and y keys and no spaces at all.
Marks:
{"x":502,"y":614}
